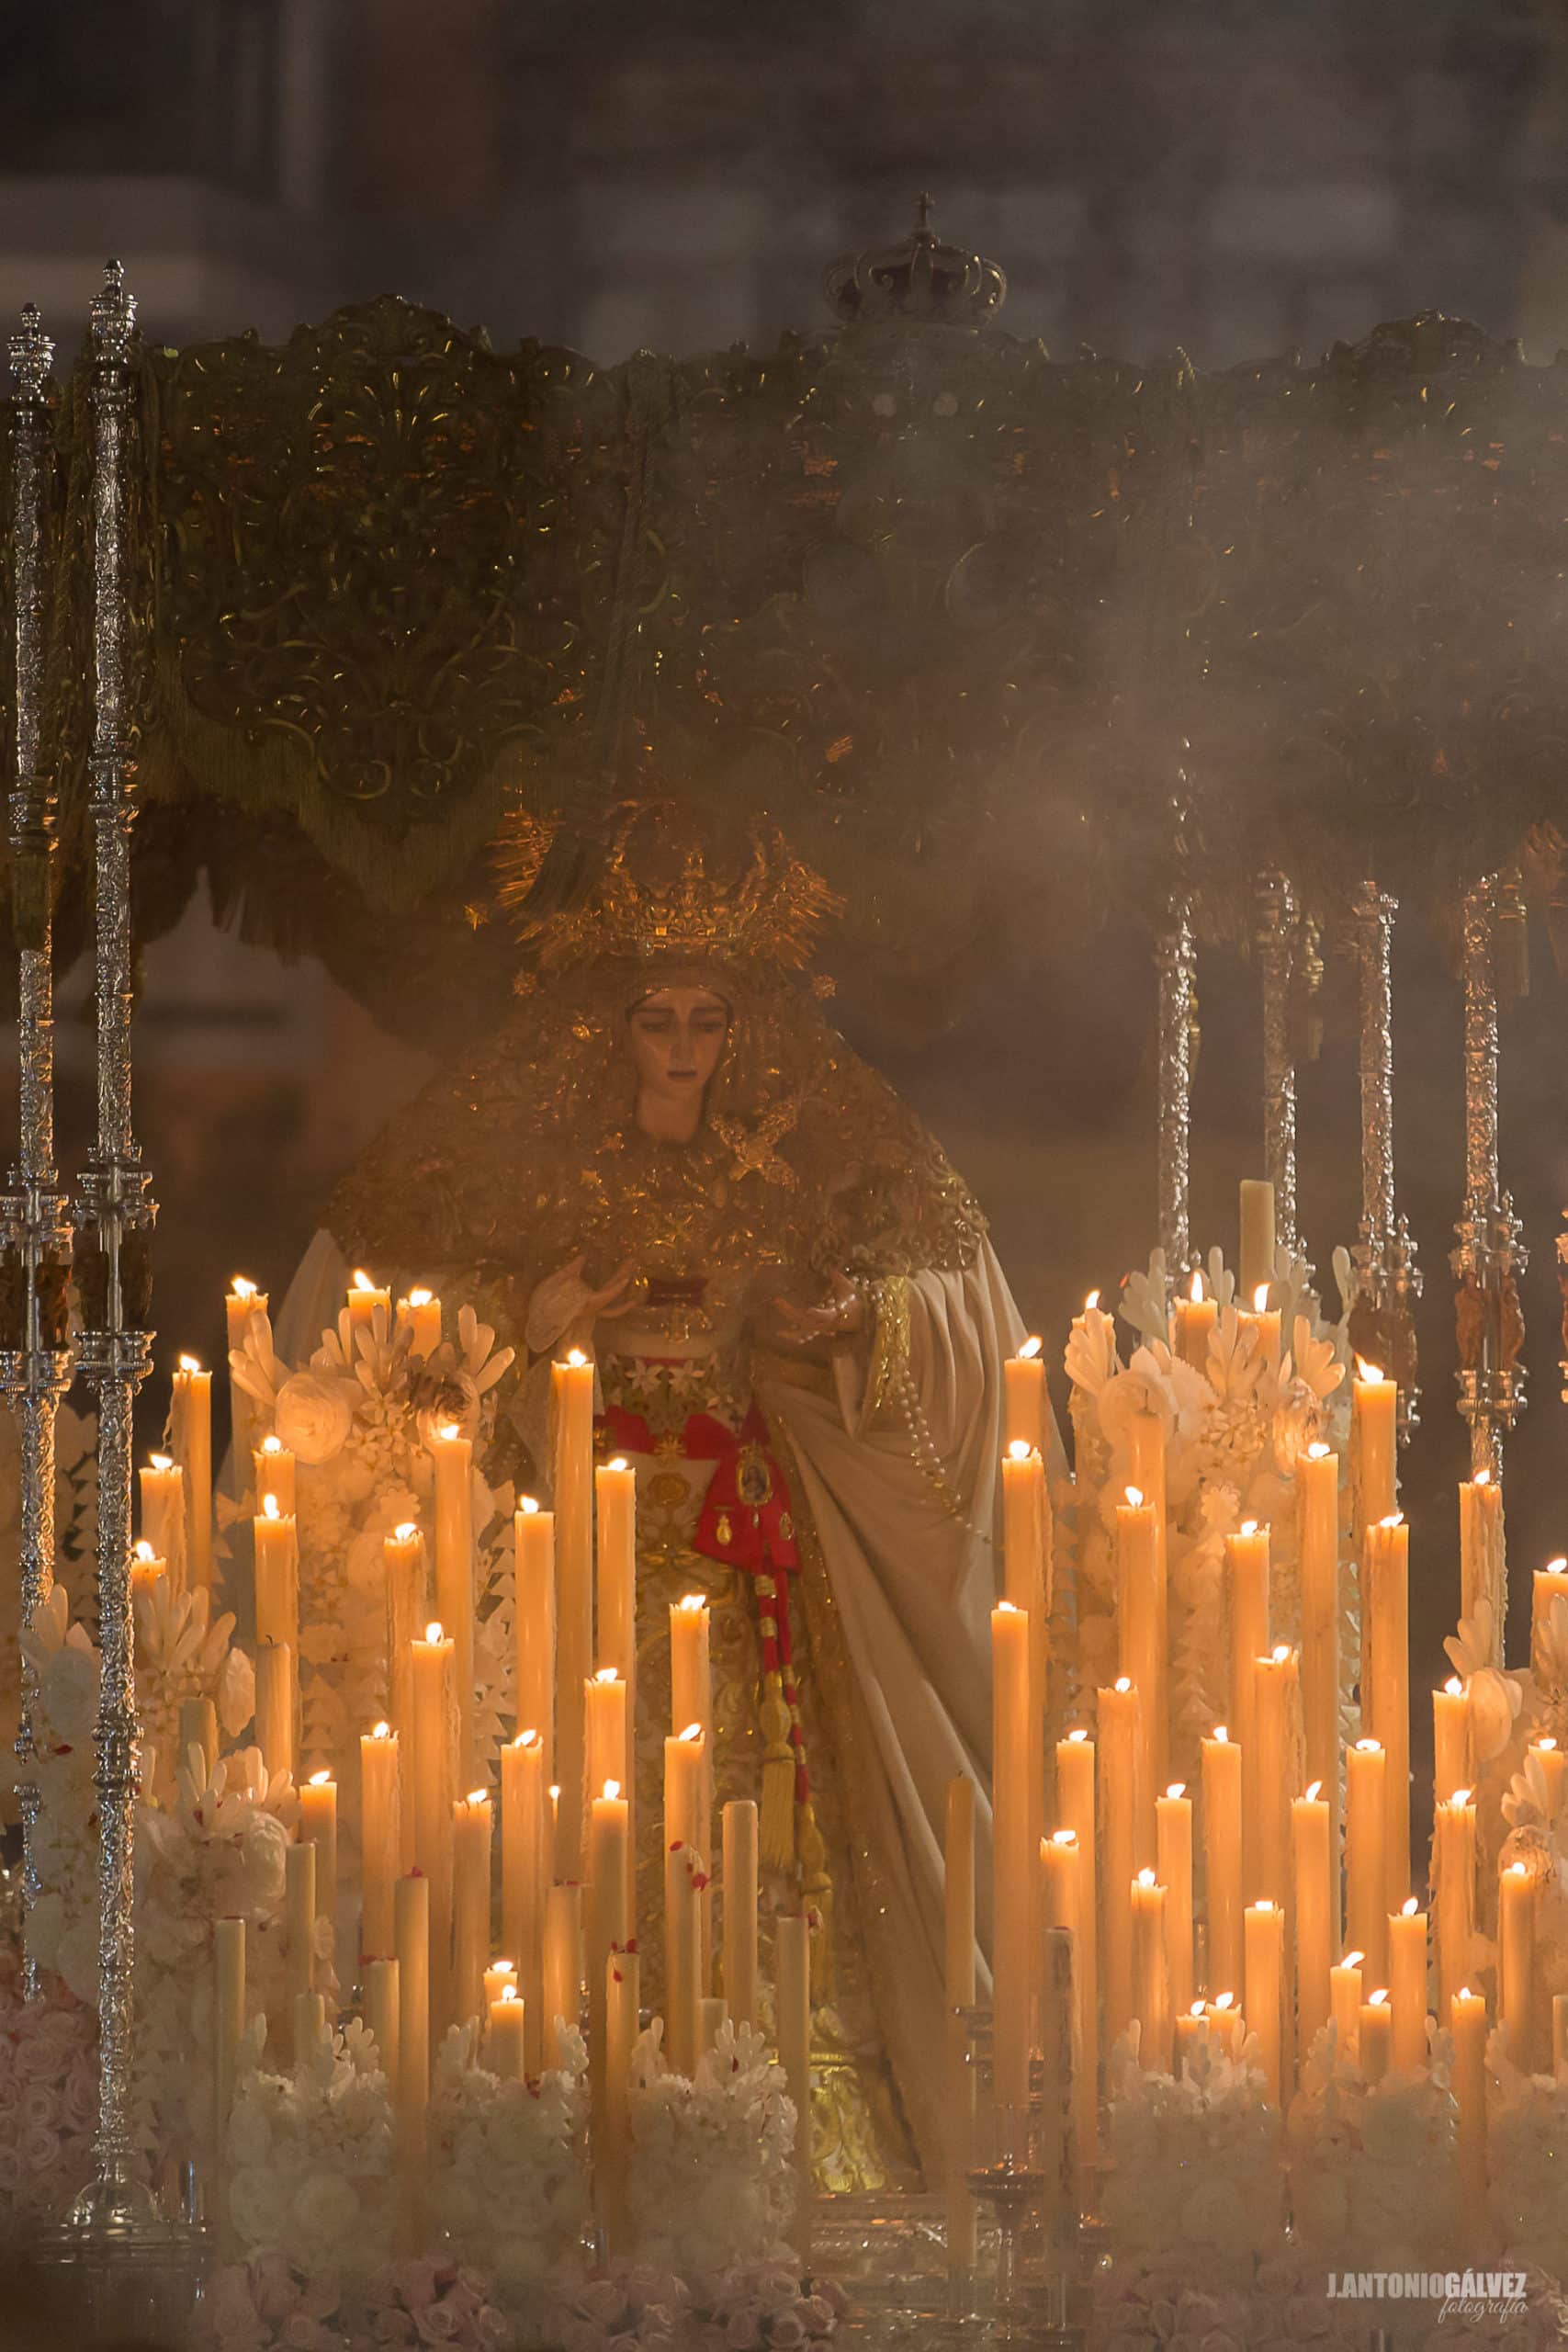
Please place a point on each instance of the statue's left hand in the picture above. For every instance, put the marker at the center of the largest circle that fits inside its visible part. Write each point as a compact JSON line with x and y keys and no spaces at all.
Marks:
{"x":841,"y":1317}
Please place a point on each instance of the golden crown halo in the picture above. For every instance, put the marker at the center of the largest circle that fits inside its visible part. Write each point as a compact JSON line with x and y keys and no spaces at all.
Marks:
{"x":648,"y":891}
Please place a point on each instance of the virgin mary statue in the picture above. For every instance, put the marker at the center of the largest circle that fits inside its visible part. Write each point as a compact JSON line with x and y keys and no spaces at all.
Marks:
{"x":667,"y":1157}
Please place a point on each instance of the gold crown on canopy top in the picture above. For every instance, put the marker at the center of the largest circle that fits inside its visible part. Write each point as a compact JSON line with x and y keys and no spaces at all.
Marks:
{"x":646,"y":891}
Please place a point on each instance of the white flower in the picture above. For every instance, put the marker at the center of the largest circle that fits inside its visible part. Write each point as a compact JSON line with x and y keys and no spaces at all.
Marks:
{"x":314,"y":1415}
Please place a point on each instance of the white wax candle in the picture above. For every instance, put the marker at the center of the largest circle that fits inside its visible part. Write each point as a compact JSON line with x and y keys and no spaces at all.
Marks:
{"x":740,"y":1894}
{"x":1407,"y":1985}
{"x":1385,"y":1686}
{"x":1076,"y":1810}
{"x":420,"y":1315}
{"x":1263,"y":1936}
{"x":534,"y":1571}
{"x":191,"y":1434}
{"x":1117,"y":1715}
{"x":1023,"y":1380}
{"x":1151,"y":1982}
{"x":455,"y":1578}
{"x":1374,"y":1403}
{"x":1139,"y":1655}
{"x":1483,"y":1556}
{"x":524,"y":1864}
{"x":1222,"y":1854}
{"x":1453,"y":1853}
{"x":1011,"y":1880}
{"x":273,"y":1472}
{"x":472,"y":1829}
{"x":1173,"y":1867}
{"x":1316,"y":1883}
{"x":1366,"y":1872}
{"x":572,"y":1399}
{"x":1317,"y":1501}
{"x":791,"y":1960}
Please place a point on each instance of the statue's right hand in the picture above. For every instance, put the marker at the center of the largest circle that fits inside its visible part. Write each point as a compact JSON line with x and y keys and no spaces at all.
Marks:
{"x":565,"y":1301}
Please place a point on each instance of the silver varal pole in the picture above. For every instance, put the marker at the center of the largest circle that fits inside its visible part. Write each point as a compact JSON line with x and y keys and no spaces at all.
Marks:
{"x":1177,"y":962}
{"x":1274,"y":940}
{"x":35,"y":1360}
{"x":1388,"y":1282}
{"x":116,"y":2212}
{"x":1490,"y":1258}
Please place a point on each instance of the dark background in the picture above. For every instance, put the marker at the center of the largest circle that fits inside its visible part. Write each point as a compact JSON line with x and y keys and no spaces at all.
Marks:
{"x":1236,"y":179}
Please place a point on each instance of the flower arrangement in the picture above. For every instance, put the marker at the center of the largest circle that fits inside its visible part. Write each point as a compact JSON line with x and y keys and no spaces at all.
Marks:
{"x":359,"y":1419}
{"x":1194,"y":2161}
{"x":710,"y":2183}
{"x":513,"y":2148}
{"x":421,"y":2302}
{"x":1371,"y":2168}
{"x":269,"y":2304}
{"x":1527,"y":2131}
{"x":183,"y":1652}
{"x":1235,"y":1430}
{"x":763,"y":2307}
{"x":64,"y":1923}
{"x":48,"y":2099}
{"x":309,"y":2159}
{"x":632,"y":2307}
{"x":1163,"y":2304}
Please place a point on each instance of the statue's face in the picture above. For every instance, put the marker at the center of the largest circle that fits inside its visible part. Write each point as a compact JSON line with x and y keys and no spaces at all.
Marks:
{"x":677,"y":1040}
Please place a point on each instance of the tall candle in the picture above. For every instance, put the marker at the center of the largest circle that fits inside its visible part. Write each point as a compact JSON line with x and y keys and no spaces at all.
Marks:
{"x":1265,"y":1321}
{"x":496,"y":1978}
{"x":534,"y":1576}
{"x":1118,"y":1717}
{"x":1255,"y":1258}
{"x":791,"y":1962}
{"x":1316,"y":1886}
{"x":1276,"y":1771}
{"x":1377,"y":2037}
{"x":472,"y":1828}
{"x":299,"y":1925}
{"x":1151,"y":1982}
{"x":683,"y":1955}
{"x":410,"y":1911}
{"x":1173,"y":1867}
{"x":1450,"y":1738}
{"x":275,"y":1706}
{"x":507,"y":2047}
{"x":622,"y":2026}
{"x":608,"y":1927}
{"x":1067,"y":1884}
{"x":434,"y":1779}
{"x":365,"y":1299}
{"x":1226,"y":2024}
{"x":1023,"y":1383}
{"x":615,"y":1488}
{"x":1076,"y":1811}
{"x":275,"y":1567}
{"x":1373,"y":1440}
{"x":382,"y":2000}
{"x":1483,"y":1556}
{"x":243,"y":1301}
{"x":1195,"y":1319}
{"x":1516,"y":1962}
{"x":273,"y":1469}
{"x":317,"y":1823}
{"x":740,"y":1909}
{"x":563,"y":1961}
{"x":1407,"y":1985}
{"x":1453,"y":1871}
{"x":1366,"y":1869}
{"x":148,"y":1572}
{"x":1553,"y":1763}
{"x":683,"y":1761}
{"x":606,"y":1739}
{"x":163,"y":1514}
{"x":524,"y":1867}
{"x":1385,"y":1684}
{"x":1222,"y":1854}
{"x":1145,"y":1453}
{"x":198,"y":1728}
{"x":1026,"y":1583}
{"x":1345,"y":2002}
{"x":1263,"y":1934}
{"x":309,"y":2025}
{"x":959,"y":1985}
{"x":573,"y":1398}
{"x":1192,"y":2038}
{"x":691,"y":1701}
{"x":1317,"y":1501}
{"x":229,"y":2028}
{"x":1548,"y":1586}
{"x":381,"y":1838}
{"x":1139,"y":1652}
{"x":1467,"y":2018}
{"x":1011,"y":1877}
{"x":1247,"y":1560}
{"x":408,"y":1609}
{"x":420,"y":1315}
{"x":191,"y":1433}
{"x":454,"y":1577}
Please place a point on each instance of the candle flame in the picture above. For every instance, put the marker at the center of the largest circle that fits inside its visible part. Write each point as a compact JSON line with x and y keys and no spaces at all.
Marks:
{"x":449,"y":1430}
{"x":432,"y":1632}
{"x":618,"y":1463}
{"x":1145,"y":1877}
{"x":1135,"y":1498}
{"x":1394,"y":1519}
{"x":1370,"y":1746}
{"x":690,"y":1602}
{"x":1080,"y":1732}
{"x":527,"y":1739}
{"x":1263,"y":1903}
{"x":528,"y":1505}
{"x":1177,"y":1789}
{"x":1353,"y":1960}
{"x":1313,"y":1790}
{"x":1064,"y":1837}
{"x":320,"y":1780}
{"x":1247,"y":1527}
{"x":1409,"y":1907}
{"x":1197,"y":2009}
{"x":1091,"y":1302}
{"x":1365,"y":1370}
{"x":407,"y":1532}
{"x":1018,"y":1449}
{"x":382,"y":1731}
{"x":575,"y":1357}
{"x":1224,"y":2000}
{"x":1460,"y":1796}
{"x":1482,"y":1478}
{"x":1220,"y":1733}
{"x":607,"y":1674}
{"x":1260,"y":1299}
{"x":1556,"y":1568}
{"x":1379,"y":1998}
{"x":1517,"y":1869}
{"x":611,"y":1789}
{"x":269,"y":1506}
{"x":1123,"y":1683}
{"x":1195,"y":1290}
{"x":1318,"y":1451}
{"x":692,"y":1733}
{"x":509,"y":1992}
{"x":1280,"y":1652}
{"x":1031,"y":1348}
{"x":272,"y":1444}
{"x":144,"y":1550}
{"x":1009,"y":1608}
{"x":555,"y":1791}
{"x":162,"y":1461}
{"x":504,"y":1968}
{"x":1547,"y":1742}
{"x":362,"y":1280}
{"x":1454,"y":1687}
{"x":479,"y":1796}
{"x":1465,"y":1994}
{"x":189,"y":1363}
{"x":242,"y":1288}
{"x":420,"y":1297}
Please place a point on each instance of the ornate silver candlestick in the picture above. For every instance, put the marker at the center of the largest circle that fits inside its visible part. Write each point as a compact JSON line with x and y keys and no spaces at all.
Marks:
{"x":1176,"y":959}
{"x":1490,"y":1258}
{"x":1388,"y":1282}
{"x":35,"y":1363}
{"x":1274,"y":939}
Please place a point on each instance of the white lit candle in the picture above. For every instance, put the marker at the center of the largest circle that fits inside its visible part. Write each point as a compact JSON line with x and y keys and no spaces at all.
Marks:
{"x":433,"y":1777}
{"x":381,"y":1838}
{"x":454,"y":1456}
{"x":1516,"y":1962}
{"x":191,"y":1434}
{"x":1316,"y":1883}
{"x":1407,"y":1985}
{"x":1482,"y":1558}
{"x":1317,"y":1506}
{"x":274,"y":1471}
{"x":472,"y":1830}
{"x":1467,"y":2016}
{"x":1453,"y":1854}
{"x":1173,"y":1864}
{"x":1374,"y":1403}
{"x":740,"y":1892}
{"x":163,"y":1514}
{"x":1151,"y":1982}
{"x":524,"y":1866}
{"x":318,"y":1823}
{"x":1450,"y":1738}
{"x":1117,"y":1718}
{"x":1076,"y":1811}
{"x":573,"y":1398}
{"x":1263,"y":1930}
{"x":367,"y":1296}
{"x":1138,"y":1626}
{"x":420,"y":1315}
{"x":534,"y":1571}
{"x":1222,"y":1854}
{"x":1195,"y":1319}
{"x":275,"y":1569}
{"x":1366,"y":1872}
{"x":1023,"y":1378}
{"x":243,"y":1301}
{"x":1377,"y":2037}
